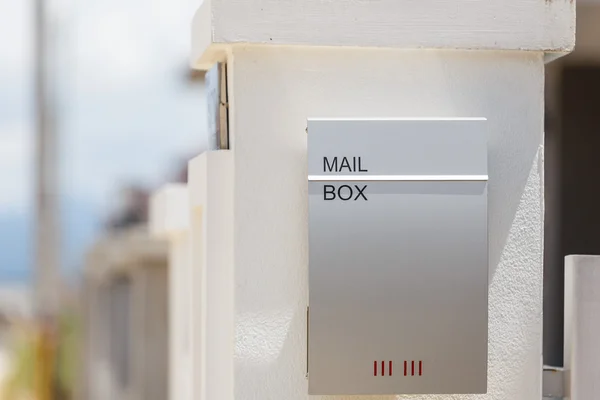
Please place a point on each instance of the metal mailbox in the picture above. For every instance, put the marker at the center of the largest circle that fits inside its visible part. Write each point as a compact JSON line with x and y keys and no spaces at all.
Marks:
{"x":398,"y":253}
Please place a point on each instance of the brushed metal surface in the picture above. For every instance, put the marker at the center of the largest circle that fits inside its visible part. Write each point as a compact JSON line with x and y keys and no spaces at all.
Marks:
{"x":399,"y":271}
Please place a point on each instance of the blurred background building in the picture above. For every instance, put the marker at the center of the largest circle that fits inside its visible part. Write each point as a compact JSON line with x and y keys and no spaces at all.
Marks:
{"x":128,"y":111}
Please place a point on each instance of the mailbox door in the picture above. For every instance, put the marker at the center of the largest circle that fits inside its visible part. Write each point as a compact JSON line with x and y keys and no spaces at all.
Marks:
{"x":398,"y":274}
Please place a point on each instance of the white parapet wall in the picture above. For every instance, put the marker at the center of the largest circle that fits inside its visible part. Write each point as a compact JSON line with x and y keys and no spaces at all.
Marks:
{"x":125,"y":331}
{"x":170,"y":220}
{"x":582,"y":324}
{"x":479,"y":61}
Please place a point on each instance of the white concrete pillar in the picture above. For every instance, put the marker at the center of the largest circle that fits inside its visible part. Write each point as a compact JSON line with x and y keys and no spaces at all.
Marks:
{"x":211,"y":202}
{"x":292,"y":60}
{"x":126,"y":322}
{"x":97,"y":375}
{"x":154,"y":331}
{"x":582,"y":326}
{"x":101,"y":382}
{"x":169,"y":219}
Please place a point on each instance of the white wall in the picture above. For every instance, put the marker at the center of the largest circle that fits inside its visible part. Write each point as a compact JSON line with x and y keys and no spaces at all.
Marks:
{"x":274,"y":90}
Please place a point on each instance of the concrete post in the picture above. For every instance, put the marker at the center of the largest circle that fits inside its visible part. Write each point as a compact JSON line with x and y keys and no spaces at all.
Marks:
{"x":288,"y":61}
{"x":126,"y":330}
{"x":150,"y":333}
{"x":169,"y":219}
{"x":211,"y":202}
{"x":582,"y":326}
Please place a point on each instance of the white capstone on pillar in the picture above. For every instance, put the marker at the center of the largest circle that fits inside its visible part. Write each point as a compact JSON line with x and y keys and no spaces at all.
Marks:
{"x":170,"y":220}
{"x":291,"y":60}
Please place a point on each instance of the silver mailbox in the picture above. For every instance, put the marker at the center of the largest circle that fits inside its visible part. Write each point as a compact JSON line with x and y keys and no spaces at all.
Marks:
{"x":398,"y":275}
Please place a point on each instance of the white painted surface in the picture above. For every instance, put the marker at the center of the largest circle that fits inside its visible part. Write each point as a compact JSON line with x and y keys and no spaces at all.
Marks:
{"x":554,"y":382}
{"x":273,"y":92}
{"x":181,"y":314}
{"x":169,"y":210}
{"x":540,"y":25}
{"x":149,"y":331}
{"x":582,"y":324}
{"x":211,"y":201}
{"x":170,"y":219}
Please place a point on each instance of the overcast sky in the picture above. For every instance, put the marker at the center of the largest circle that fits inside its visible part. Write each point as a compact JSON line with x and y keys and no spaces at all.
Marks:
{"x":126,"y":112}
